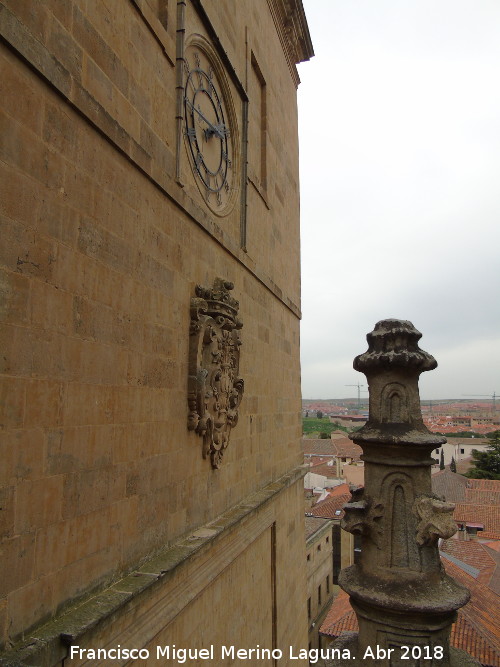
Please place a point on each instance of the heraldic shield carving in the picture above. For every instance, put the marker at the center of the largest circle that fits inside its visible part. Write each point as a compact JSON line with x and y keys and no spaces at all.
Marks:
{"x":214,"y":388}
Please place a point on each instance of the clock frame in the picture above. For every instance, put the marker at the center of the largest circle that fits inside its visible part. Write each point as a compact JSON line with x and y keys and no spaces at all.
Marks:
{"x":210,"y":129}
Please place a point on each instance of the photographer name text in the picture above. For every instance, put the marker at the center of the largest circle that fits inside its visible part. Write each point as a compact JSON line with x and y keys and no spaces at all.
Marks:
{"x":185,"y":655}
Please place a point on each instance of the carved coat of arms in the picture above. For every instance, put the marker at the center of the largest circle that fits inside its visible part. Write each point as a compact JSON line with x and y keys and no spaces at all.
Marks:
{"x":215,"y":389}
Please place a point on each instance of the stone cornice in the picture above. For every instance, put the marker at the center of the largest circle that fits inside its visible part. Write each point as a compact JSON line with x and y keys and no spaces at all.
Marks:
{"x":291,"y":24}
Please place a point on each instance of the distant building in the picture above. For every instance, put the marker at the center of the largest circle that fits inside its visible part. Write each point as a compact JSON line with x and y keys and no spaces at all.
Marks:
{"x":345,"y":545}
{"x":350,"y":421}
{"x":319,"y":571}
{"x":459,"y":448}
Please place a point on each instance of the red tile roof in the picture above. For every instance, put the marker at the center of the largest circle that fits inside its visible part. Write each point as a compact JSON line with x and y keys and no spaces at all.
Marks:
{"x":340,"y":490}
{"x":488,"y":515}
{"x":465,"y":636}
{"x":485,"y":484}
{"x":482,"y":496}
{"x":468,"y":552}
{"x":477,"y":500}
{"x":473,"y":554}
{"x":324,"y":469}
{"x":494,"y":581}
{"x":482,"y":615}
{"x":318,"y":446}
{"x":443,"y":425}
{"x":340,"y":617}
{"x":327,"y":508}
{"x":483,"y":492}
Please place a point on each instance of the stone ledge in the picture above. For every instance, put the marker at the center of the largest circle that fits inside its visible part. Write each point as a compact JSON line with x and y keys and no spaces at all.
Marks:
{"x":49,"y":643}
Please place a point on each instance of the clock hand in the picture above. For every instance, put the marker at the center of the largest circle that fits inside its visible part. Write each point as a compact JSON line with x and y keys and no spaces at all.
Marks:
{"x":217,"y":130}
{"x":222,"y":130}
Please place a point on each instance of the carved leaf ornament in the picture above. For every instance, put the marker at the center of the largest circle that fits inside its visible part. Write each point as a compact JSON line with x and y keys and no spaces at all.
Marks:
{"x":363,"y":515}
{"x":435,"y":519}
{"x":215,"y":389}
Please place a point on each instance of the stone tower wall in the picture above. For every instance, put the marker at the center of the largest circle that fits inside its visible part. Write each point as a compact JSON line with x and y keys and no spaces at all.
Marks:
{"x":104,"y":237}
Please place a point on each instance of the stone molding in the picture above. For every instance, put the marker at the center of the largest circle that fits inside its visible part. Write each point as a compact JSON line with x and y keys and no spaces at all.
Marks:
{"x":291,"y":24}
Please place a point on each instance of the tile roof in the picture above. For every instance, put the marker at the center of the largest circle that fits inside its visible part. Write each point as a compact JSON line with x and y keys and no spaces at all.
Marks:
{"x":320,"y":459}
{"x":490,"y":535}
{"x":494,"y":580}
{"x":482,"y":497}
{"x":474,"y":572}
{"x":450,"y":485}
{"x":340,"y":490}
{"x":340,"y":617}
{"x":338,"y":447}
{"x":312,"y":525}
{"x":472,"y":554}
{"x":457,"y":488}
{"x":465,"y":636}
{"x":468,"y":442}
{"x":348,"y":449}
{"x":483,"y":492}
{"x":478,"y":635}
{"x":437,"y":424}
{"x":324,"y":469}
{"x":318,"y":446}
{"x":477,"y":500}
{"x":484,"y":484}
{"x":488,"y":515}
{"x":327,"y":508}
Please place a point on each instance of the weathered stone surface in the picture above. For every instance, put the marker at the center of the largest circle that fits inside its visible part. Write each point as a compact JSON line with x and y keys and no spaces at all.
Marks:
{"x":104,"y":238}
{"x":399,"y":590}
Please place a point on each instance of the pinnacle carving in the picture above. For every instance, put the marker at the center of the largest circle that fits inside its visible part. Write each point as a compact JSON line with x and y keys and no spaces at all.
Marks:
{"x":215,"y":389}
{"x":392,"y":365}
{"x":435,"y":520}
{"x":392,"y":344}
{"x":362,"y":517}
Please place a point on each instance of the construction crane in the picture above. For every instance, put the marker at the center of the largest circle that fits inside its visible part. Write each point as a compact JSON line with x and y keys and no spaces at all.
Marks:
{"x":492,"y":396}
{"x":359,"y":392}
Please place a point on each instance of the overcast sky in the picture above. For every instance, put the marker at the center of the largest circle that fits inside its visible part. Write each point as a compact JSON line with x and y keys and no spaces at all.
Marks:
{"x":400,"y":188}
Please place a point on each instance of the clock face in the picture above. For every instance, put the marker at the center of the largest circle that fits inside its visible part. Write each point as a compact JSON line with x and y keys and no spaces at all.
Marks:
{"x":207,"y":131}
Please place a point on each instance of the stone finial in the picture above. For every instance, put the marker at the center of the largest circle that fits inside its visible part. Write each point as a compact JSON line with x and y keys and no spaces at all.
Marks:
{"x":394,"y":344}
{"x":399,"y":589}
{"x":392,"y":365}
